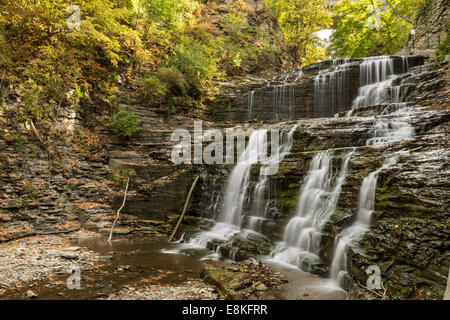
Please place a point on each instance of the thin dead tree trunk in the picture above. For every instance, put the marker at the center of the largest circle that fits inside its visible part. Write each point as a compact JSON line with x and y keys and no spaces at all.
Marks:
{"x":118,"y":211}
{"x":188,"y":199}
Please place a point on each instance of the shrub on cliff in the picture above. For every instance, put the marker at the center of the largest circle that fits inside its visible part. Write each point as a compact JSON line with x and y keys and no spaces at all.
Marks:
{"x":124,"y":124}
{"x":198,"y":63}
{"x":153,"y":91}
{"x":444,"y":47}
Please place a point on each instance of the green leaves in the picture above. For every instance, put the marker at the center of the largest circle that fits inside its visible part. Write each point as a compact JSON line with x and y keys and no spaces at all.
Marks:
{"x":197,"y":62}
{"x":123,"y":124}
{"x":300,"y":20}
{"x":372,"y":27}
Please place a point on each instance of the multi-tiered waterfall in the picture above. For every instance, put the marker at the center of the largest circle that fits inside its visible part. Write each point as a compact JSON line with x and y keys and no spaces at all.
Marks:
{"x":245,"y":202}
{"x":390,"y":126}
{"x":321,"y":189}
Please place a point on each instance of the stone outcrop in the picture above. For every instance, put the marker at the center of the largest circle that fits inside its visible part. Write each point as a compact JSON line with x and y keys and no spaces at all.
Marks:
{"x":244,"y":280}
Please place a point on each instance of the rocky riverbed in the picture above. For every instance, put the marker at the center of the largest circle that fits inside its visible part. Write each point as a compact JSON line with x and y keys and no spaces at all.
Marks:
{"x":27,"y":262}
{"x":38,"y":268}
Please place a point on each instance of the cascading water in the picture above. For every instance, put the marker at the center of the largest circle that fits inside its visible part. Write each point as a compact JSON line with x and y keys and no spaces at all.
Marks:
{"x":231,"y":219}
{"x":284,"y":98}
{"x":377,"y":75}
{"x":282,"y":101}
{"x":251,"y":97}
{"x":317,"y":202}
{"x":329,"y":88}
{"x":392,"y":125}
{"x":350,"y":236}
{"x":245,"y":204}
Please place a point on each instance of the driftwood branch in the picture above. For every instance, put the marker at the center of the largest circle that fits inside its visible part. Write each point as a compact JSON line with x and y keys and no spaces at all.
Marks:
{"x":188,"y":199}
{"x":398,"y":13}
{"x":118,"y":211}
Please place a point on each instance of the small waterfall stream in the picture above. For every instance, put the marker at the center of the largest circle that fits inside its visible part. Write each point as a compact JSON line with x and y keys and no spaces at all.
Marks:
{"x":317,"y":202}
{"x":350,"y":236}
{"x":281,"y":100}
{"x":329,"y":88}
{"x":377,"y":81}
{"x":251,"y":98}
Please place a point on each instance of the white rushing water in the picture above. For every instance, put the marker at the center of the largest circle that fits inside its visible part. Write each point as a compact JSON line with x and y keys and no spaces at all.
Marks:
{"x":377,"y":76}
{"x":251,"y":97}
{"x":329,"y":88}
{"x":231,"y":219}
{"x":317,"y":202}
{"x":392,"y":125}
{"x":350,"y":236}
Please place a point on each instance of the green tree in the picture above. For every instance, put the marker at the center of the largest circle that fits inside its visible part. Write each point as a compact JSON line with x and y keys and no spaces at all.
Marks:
{"x":300,"y":21}
{"x":372,"y":27}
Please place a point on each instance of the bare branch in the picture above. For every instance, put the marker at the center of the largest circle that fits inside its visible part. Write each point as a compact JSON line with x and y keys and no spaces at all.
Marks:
{"x":118,"y":211}
{"x":36,"y":132}
{"x":398,"y":13}
{"x":382,"y":296}
{"x":185,"y":207}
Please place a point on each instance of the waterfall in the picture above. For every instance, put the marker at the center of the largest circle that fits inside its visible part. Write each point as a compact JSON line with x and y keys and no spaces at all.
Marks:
{"x":350,"y":236}
{"x":261,"y":199}
{"x":231,"y":219}
{"x":391,"y":126}
{"x":330,"y":88}
{"x":283,"y":95}
{"x":377,"y":75}
{"x":251,"y":96}
{"x":317,"y":202}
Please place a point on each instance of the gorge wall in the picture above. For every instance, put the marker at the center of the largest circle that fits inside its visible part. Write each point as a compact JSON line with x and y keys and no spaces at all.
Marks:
{"x":77,"y":182}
